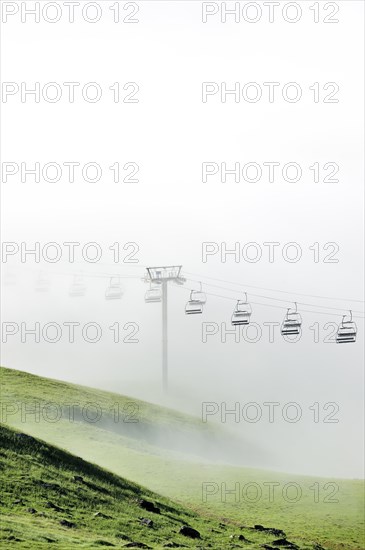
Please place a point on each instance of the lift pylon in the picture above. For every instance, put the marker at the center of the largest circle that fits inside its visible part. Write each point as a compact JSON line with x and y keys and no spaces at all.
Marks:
{"x":163,"y":275}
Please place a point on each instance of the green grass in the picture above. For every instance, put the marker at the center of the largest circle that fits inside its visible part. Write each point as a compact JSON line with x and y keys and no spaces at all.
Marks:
{"x":39,"y":491}
{"x":147,"y":453}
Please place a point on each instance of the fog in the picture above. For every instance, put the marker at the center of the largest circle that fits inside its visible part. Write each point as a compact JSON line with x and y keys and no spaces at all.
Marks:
{"x":170,"y":213}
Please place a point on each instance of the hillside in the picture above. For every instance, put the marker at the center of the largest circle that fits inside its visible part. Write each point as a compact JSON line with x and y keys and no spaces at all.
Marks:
{"x":169,"y":452}
{"x":35,"y":399}
{"x":51,"y":499}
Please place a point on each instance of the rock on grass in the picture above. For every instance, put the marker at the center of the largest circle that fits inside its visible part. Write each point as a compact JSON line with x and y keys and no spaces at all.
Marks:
{"x":66,"y":523}
{"x":189,"y":532}
{"x":149,"y":506}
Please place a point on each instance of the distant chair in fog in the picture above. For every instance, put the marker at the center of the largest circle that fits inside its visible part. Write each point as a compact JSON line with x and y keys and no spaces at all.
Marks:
{"x":8,"y":279}
{"x":42,"y":283}
{"x":78,"y":287}
{"x":153,"y":294}
{"x":114,"y":291}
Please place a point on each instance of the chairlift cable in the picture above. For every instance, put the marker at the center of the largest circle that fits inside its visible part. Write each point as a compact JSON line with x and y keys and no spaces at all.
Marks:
{"x":274,"y":306}
{"x":202,"y":277}
{"x":276,"y":299}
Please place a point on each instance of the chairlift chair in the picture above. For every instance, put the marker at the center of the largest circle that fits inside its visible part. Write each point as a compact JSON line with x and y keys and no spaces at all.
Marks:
{"x":42,"y":284}
{"x":114,"y":290}
{"x":347,"y":330}
{"x":195,"y":304}
{"x":9,"y":279}
{"x":200,"y":296}
{"x":153,"y":294}
{"x":292,"y":323}
{"x":242,"y":312}
{"x":77,"y":288}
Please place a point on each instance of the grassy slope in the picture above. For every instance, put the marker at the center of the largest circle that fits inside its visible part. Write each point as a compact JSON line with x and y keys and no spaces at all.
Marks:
{"x":131,"y":454}
{"x":27,"y":520}
{"x":26,"y":464}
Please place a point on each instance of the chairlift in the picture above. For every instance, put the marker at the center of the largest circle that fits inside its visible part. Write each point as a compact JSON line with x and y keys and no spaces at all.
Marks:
{"x":242,"y":312}
{"x":199,"y":295}
{"x":78,"y":287}
{"x":42,"y":284}
{"x":292,"y":323}
{"x":153,"y":294}
{"x":347,"y":330}
{"x":196,"y":303}
{"x":114,"y":291}
{"x":9,"y":279}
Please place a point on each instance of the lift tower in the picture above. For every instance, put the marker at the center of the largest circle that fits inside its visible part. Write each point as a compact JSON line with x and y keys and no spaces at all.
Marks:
{"x":162,"y":276}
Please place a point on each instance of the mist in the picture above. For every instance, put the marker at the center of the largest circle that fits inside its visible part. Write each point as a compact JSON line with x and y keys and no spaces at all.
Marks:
{"x":169,"y":215}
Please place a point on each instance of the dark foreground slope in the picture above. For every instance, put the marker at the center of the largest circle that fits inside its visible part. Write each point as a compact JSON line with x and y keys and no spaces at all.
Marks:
{"x":52,"y":499}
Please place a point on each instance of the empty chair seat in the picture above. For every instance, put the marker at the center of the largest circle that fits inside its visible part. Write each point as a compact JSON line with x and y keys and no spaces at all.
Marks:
{"x":292,"y":323}
{"x":193,"y":307}
{"x":42,"y":284}
{"x":114,"y":290}
{"x":347,"y":330}
{"x":77,"y":288}
{"x":153,"y":294}
{"x":196,"y":303}
{"x":242,"y":313}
